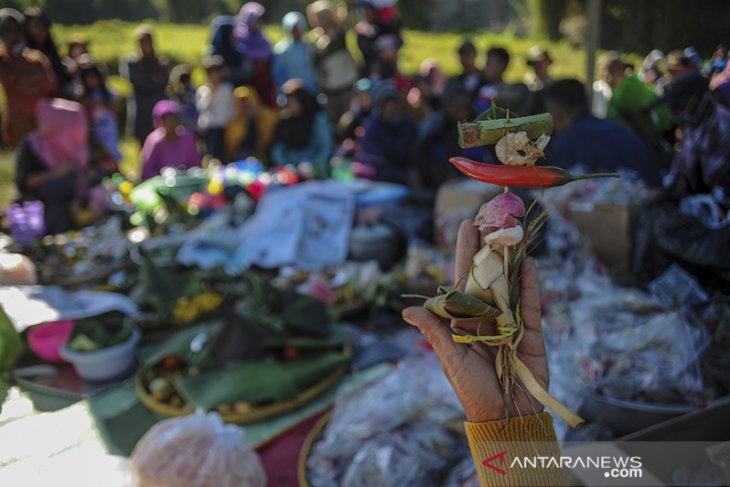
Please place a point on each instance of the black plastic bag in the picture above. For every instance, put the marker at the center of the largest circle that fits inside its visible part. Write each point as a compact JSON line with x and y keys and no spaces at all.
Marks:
{"x":666,"y":236}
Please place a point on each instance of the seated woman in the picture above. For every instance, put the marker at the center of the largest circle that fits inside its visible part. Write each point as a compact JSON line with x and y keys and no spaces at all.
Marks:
{"x":101,"y":107}
{"x":170,"y":144}
{"x":303,"y":132}
{"x":252,"y":131}
{"x":389,"y":136}
{"x":53,"y":161}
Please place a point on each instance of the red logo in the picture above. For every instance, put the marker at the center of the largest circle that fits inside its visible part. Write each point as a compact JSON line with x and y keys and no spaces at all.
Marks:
{"x":500,"y":461}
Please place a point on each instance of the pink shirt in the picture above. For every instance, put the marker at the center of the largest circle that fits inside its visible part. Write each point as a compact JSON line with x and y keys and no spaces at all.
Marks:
{"x":158,"y":152}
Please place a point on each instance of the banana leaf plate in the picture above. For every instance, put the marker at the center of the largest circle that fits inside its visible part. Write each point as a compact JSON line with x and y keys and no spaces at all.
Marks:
{"x":255,"y":412}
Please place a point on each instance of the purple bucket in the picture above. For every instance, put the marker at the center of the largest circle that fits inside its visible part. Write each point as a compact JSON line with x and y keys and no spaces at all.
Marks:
{"x":26,"y":221}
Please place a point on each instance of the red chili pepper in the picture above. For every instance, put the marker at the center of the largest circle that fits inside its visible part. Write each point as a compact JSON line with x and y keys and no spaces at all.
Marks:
{"x":520,"y":176}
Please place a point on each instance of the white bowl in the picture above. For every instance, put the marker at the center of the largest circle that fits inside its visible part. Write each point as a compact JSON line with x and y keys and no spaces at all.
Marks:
{"x":104,"y":364}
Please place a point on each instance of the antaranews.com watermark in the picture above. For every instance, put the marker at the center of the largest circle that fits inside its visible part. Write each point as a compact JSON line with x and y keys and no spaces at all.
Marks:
{"x":620,"y":463}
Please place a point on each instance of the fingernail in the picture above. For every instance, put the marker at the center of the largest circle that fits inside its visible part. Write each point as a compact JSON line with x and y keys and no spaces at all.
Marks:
{"x":408,"y":316}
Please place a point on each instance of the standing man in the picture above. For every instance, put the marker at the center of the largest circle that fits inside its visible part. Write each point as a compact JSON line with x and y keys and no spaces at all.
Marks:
{"x":26,"y":76}
{"x":471,"y":77}
{"x":149,"y":75}
{"x":539,"y":60}
{"x":494,"y":68}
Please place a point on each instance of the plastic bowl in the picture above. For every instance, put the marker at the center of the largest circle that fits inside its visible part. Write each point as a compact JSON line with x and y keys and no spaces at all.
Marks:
{"x":107,"y":363}
{"x":46,"y":340}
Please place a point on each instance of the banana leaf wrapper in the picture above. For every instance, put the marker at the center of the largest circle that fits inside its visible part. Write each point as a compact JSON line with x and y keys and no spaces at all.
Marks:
{"x":455,"y":305}
{"x":258,"y":382}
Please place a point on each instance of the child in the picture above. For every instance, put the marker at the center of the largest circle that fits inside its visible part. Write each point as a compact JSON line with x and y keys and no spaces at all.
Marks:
{"x":101,"y":106}
{"x":217,"y":107}
{"x":181,"y":91}
{"x":169,"y":144}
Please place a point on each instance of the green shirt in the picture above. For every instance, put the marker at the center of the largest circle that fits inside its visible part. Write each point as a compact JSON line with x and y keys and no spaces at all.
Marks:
{"x":633,"y":95}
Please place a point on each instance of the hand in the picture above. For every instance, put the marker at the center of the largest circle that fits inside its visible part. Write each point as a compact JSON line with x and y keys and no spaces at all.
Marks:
{"x":470,"y":368}
{"x":64,"y":169}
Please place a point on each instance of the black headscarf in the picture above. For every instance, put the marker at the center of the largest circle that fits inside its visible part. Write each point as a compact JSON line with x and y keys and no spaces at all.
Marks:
{"x":49,"y":46}
{"x":295,"y":131}
{"x":221,"y":44}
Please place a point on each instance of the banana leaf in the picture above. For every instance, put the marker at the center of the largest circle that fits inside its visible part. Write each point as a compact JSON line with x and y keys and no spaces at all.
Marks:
{"x":336,"y":337}
{"x":456,"y":305}
{"x":11,"y":345}
{"x":305,"y":314}
{"x":238,"y":340}
{"x":258,"y":382}
{"x":486,"y":130}
{"x":179,"y":345}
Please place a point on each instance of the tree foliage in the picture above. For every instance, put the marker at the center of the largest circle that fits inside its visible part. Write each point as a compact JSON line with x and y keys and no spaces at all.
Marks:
{"x":640,"y":26}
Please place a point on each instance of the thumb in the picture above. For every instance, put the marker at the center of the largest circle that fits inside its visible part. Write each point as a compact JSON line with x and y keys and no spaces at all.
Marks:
{"x":436,"y":331}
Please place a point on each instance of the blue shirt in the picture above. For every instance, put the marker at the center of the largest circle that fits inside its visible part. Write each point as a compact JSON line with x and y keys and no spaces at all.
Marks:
{"x":294,"y":59}
{"x":603,"y":145}
{"x":318,"y":151}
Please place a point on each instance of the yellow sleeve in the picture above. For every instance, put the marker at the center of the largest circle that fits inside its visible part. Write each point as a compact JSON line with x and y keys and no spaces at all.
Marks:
{"x":503,"y":451}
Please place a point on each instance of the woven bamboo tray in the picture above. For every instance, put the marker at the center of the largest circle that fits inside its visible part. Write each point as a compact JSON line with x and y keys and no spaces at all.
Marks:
{"x":314,"y":434}
{"x":254,"y":415}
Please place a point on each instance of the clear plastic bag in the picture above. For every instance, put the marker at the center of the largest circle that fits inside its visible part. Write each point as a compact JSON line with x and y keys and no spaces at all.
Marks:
{"x":195,"y":451}
{"x":391,"y":431}
{"x":412,"y":456}
{"x":658,"y":361}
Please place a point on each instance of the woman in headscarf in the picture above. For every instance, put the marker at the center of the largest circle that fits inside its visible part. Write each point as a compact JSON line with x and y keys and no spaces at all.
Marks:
{"x":223,"y":44}
{"x":26,"y":77}
{"x":53,"y":160}
{"x":252,"y":131}
{"x":389,"y":135}
{"x":170,"y":144}
{"x":337,"y":69}
{"x":38,"y":29}
{"x":720,"y":85}
{"x":293,"y":56}
{"x":303,"y":133}
{"x":253,"y":45}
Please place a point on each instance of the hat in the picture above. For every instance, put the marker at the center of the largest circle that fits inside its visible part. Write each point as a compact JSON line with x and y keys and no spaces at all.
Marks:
{"x":677,"y":60}
{"x":213,"y":62}
{"x":694,"y":57}
{"x":294,"y":19}
{"x":325,"y":14}
{"x":36,"y":13}
{"x":384,"y":91}
{"x":687,"y":84}
{"x":142,"y":31}
{"x":77,"y":39}
{"x":537,"y":54}
{"x":177,"y":73}
{"x":467,"y":46}
{"x":8,"y":15}
{"x":165,"y":107}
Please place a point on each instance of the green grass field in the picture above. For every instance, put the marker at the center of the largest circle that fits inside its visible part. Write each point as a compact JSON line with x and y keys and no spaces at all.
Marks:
{"x":111,"y":40}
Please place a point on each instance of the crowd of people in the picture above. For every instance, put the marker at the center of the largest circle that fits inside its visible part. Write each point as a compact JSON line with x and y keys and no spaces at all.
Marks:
{"x":305,"y":102}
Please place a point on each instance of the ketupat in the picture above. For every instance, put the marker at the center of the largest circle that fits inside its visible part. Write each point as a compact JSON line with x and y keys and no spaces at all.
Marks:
{"x":495,"y":268}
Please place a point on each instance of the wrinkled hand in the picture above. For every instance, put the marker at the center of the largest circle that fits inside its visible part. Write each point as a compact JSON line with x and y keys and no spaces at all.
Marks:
{"x":470,"y":368}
